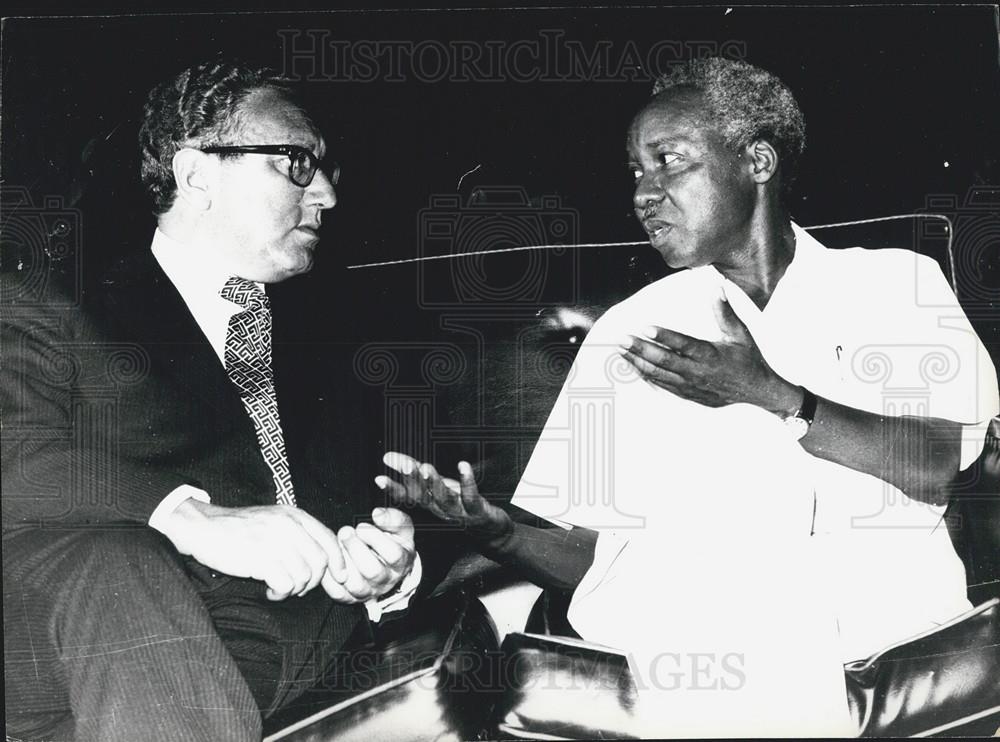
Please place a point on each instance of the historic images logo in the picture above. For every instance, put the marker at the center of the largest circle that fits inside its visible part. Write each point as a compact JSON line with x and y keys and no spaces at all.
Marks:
{"x":316,"y":55}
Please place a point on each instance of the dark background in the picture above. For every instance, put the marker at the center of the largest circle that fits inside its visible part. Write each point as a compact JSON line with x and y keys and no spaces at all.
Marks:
{"x":890,"y":94}
{"x":901,"y":105}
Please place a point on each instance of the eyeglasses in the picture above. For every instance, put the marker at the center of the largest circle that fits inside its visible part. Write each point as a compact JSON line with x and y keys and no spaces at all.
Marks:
{"x":302,"y":164}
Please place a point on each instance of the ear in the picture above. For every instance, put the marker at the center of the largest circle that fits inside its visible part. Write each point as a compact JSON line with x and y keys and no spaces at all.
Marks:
{"x":763,"y":160}
{"x":194,"y":175}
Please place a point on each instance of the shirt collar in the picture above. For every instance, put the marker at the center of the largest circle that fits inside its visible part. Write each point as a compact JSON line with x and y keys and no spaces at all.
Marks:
{"x":807,"y":249}
{"x":193,"y":271}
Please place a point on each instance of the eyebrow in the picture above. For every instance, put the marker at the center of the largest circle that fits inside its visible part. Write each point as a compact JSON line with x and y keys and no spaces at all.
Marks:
{"x":660,"y":141}
{"x":677,"y":138}
{"x":657,"y":143}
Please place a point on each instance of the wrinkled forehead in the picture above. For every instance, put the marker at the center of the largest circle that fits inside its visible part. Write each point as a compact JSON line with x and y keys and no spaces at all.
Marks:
{"x":673,"y":116}
{"x":269,"y":116}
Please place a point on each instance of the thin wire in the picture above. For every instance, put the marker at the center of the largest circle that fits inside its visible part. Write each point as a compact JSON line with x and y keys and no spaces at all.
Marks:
{"x":493,"y":252}
{"x":951,"y":234}
{"x":873,"y":220}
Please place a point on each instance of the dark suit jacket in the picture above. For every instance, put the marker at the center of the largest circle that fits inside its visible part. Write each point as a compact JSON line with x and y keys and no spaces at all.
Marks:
{"x":110,"y":407}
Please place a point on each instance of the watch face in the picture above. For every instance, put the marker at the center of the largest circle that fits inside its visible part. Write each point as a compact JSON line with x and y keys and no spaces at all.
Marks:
{"x":796,"y":426}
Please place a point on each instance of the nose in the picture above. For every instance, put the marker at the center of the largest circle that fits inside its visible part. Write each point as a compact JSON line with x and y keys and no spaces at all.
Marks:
{"x":648,"y":192}
{"x":321,"y":192}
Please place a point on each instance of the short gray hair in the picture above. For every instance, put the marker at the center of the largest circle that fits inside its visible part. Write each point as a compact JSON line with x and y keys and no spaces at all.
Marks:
{"x":199,"y":106}
{"x":746,"y":103}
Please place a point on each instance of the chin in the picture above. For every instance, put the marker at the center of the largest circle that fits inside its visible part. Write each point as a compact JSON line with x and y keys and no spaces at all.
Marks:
{"x":677,"y":254}
{"x":295,"y":262}
{"x":673,"y":257}
{"x":299,"y":269}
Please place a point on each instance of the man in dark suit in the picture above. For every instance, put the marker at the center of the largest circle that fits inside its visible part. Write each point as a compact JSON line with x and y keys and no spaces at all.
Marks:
{"x":171,"y":484}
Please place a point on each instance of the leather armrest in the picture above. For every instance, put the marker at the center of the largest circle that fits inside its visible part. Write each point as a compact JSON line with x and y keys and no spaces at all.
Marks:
{"x":429,"y":677}
{"x":929,"y":684}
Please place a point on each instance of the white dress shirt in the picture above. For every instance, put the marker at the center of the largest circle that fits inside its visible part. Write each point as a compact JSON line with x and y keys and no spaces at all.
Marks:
{"x":199,"y":279}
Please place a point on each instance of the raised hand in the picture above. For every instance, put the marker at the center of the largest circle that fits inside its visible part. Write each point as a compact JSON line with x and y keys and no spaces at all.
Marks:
{"x":454,"y":502}
{"x":713,"y":374}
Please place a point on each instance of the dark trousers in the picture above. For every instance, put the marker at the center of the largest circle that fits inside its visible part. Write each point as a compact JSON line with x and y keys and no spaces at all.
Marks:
{"x":109,"y":634}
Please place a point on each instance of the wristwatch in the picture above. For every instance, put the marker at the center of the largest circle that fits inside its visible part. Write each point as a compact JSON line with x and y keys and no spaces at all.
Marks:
{"x":799,"y":421}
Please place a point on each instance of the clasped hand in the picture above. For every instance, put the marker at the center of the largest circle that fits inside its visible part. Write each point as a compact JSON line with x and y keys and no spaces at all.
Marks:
{"x":292,"y":552}
{"x":714,"y":374}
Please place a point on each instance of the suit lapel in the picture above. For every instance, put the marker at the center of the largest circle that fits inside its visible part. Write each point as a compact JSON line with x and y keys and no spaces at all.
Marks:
{"x":148,"y":310}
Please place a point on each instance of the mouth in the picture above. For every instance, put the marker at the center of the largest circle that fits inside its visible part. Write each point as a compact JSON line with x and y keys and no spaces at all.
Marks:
{"x":656,"y":228}
{"x":311,"y":231}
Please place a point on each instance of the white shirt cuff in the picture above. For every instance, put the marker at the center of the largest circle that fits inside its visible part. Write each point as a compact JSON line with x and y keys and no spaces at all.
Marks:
{"x":169,"y":504}
{"x":400,"y":598}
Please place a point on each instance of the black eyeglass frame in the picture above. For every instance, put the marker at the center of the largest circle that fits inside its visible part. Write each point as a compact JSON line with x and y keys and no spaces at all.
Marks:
{"x":291,"y":151}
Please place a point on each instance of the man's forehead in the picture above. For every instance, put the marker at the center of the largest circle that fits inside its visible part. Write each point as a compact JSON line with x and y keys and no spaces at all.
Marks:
{"x":269,"y":115}
{"x":678,"y":118}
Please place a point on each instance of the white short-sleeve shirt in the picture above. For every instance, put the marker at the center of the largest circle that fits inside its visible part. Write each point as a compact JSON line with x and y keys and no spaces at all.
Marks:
{"x":722,"y":504}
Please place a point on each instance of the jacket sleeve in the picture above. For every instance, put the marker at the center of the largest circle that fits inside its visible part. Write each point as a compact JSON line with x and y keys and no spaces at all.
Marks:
{"x":68,"y":457}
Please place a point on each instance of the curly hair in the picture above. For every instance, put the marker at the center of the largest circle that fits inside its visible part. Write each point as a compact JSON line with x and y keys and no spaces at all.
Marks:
{"x":199,"y":107}
{"x":747,"y":103}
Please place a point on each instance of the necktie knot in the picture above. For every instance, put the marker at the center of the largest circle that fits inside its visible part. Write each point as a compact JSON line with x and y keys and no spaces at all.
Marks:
{"x":246,"y":294}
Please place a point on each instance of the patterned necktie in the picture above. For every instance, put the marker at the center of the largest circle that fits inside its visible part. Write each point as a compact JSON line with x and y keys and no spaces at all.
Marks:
{"x":248,"y":363}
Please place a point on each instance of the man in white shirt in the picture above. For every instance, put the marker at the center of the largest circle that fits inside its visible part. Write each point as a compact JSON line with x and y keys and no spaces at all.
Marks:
{"x":270,"y":555}
{"x":742,"y":476}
